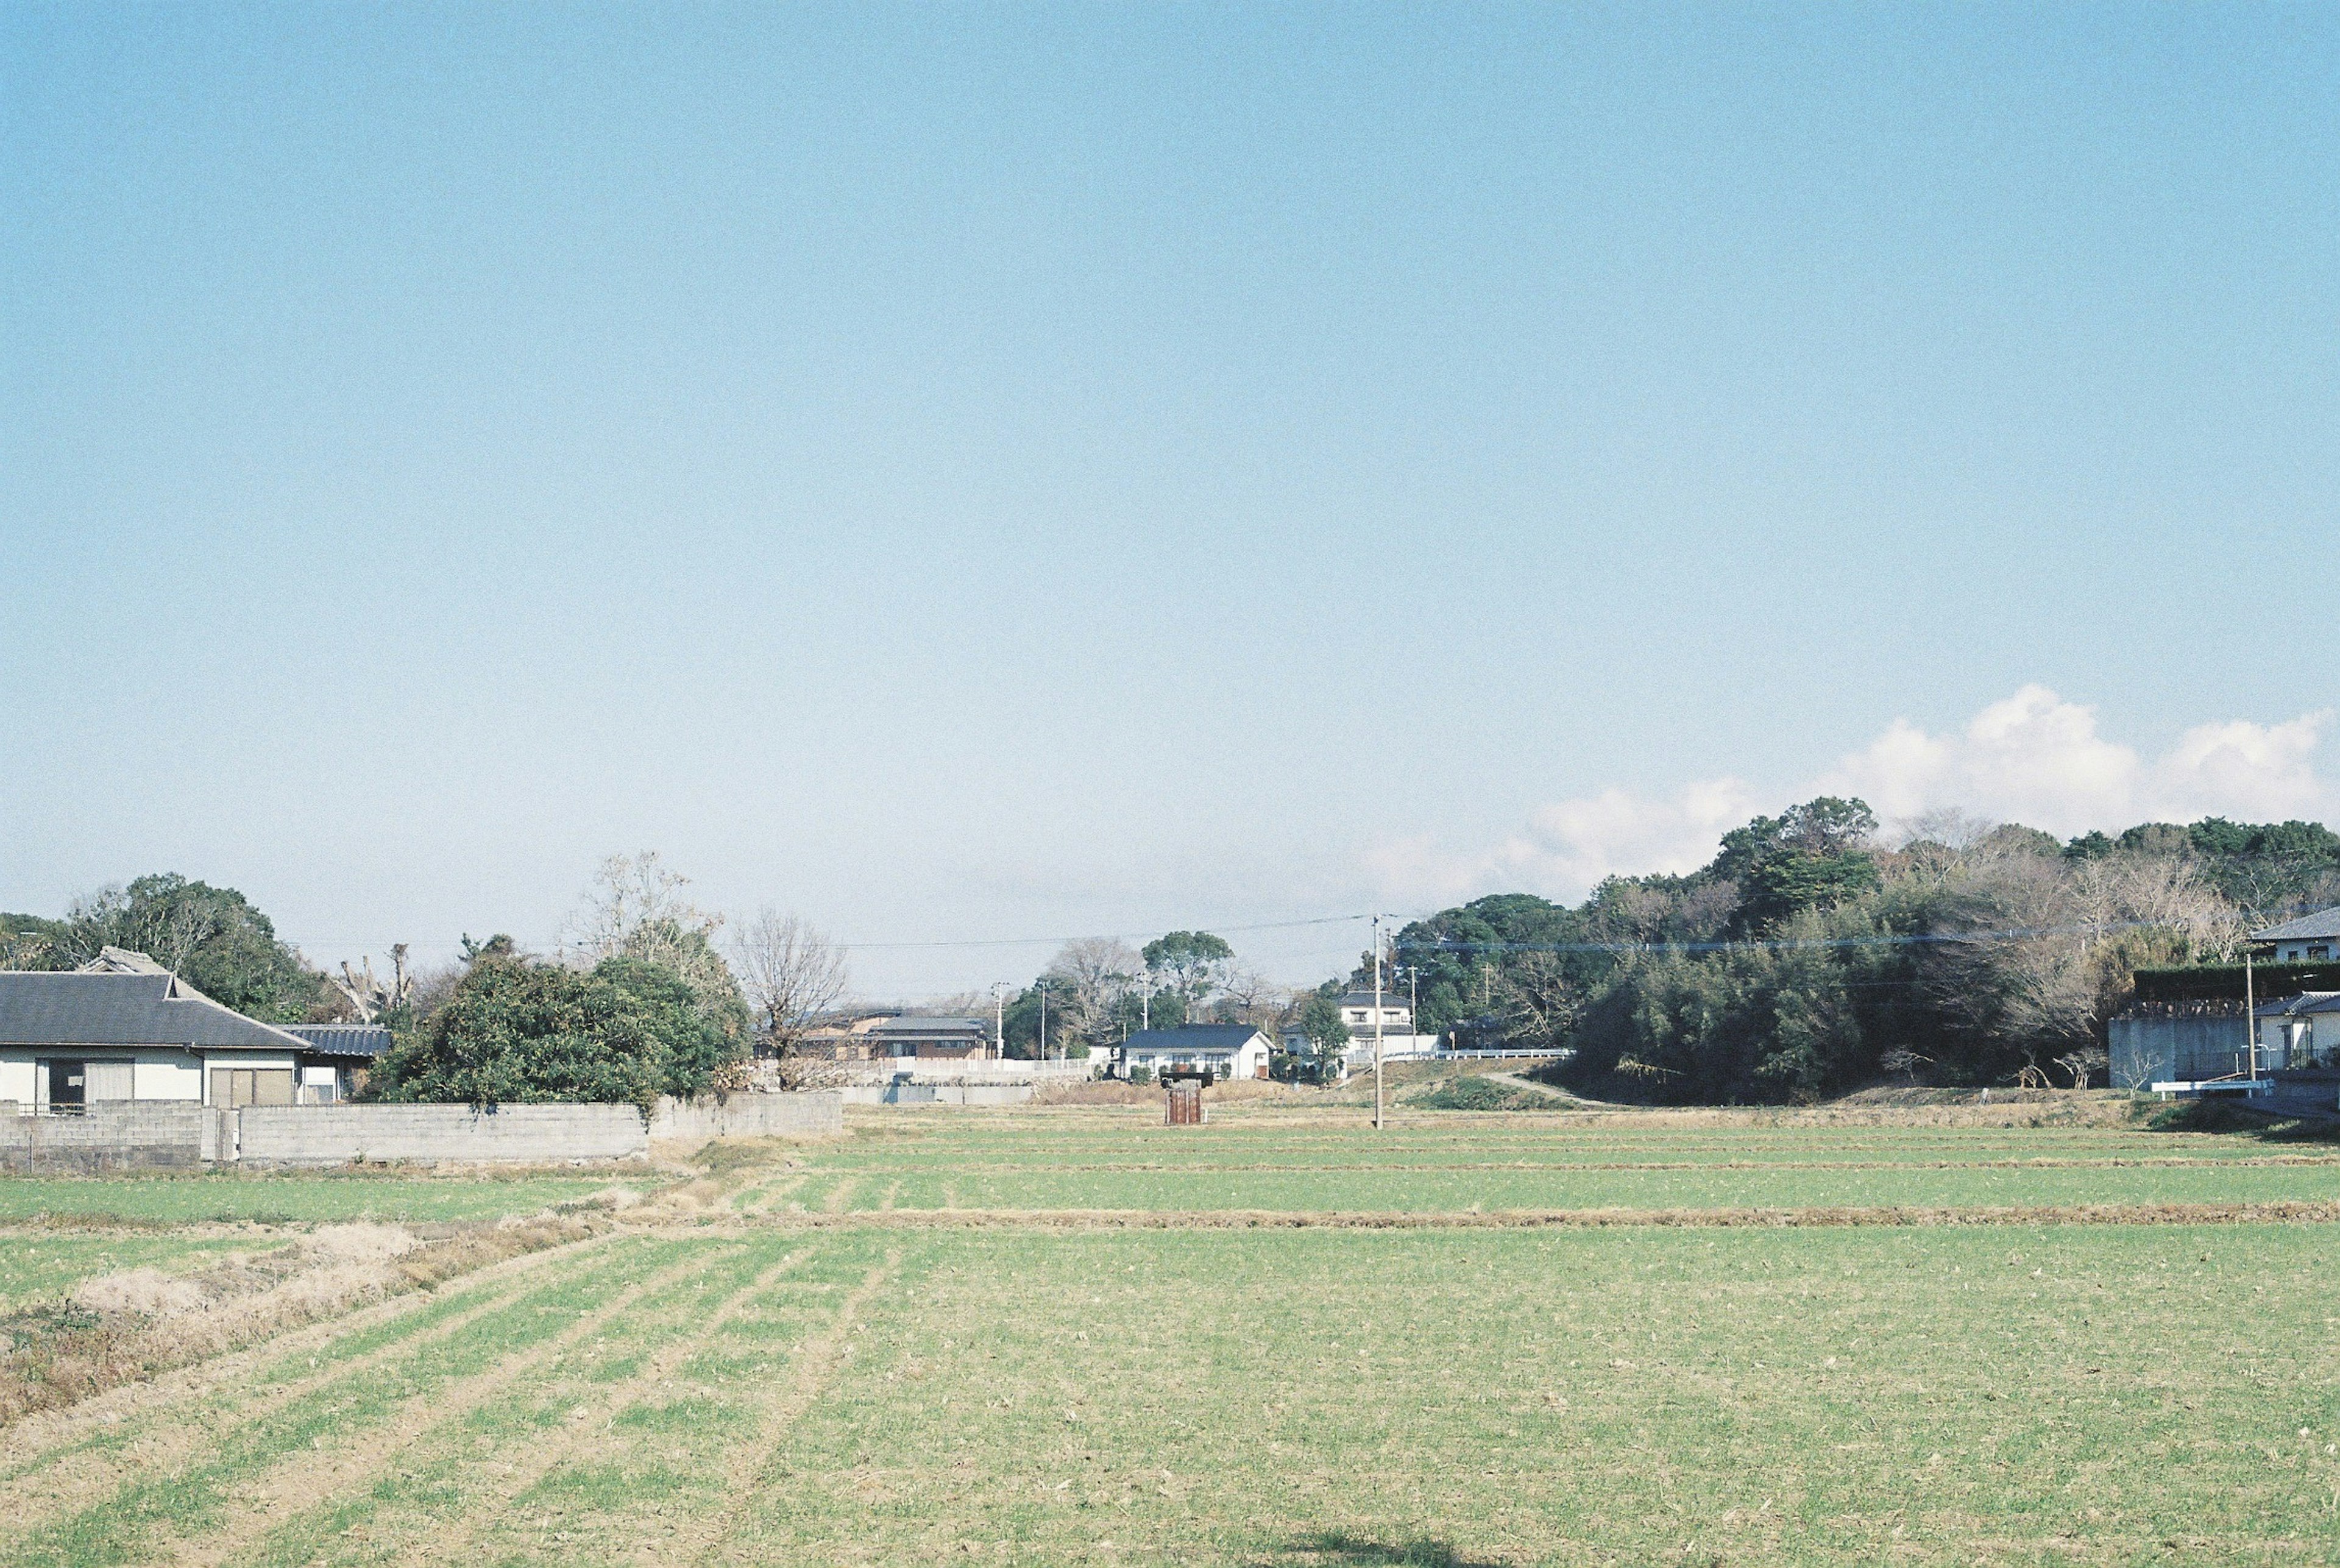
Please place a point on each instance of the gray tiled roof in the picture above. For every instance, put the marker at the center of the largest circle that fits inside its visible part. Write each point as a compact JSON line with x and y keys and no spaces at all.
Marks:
{"x":2308,"y":928}
{"x":366,"y":1041}
{"x":912,"y":1026}
{"x":1194,"y":1038}
{"x":74,"y":1009}
{"x":2292,"y":1007}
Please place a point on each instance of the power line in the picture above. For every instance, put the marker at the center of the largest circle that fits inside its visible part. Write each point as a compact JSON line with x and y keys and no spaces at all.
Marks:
{"x":1103,"y":936}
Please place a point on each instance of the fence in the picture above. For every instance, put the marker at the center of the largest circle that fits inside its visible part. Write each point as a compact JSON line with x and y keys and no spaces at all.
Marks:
{"x":814,"y":1114}
{"x":910,"y":1093}
{"x":948,"y":1070}
{"x":129,"y":1135}
{"x":165,"y":1134}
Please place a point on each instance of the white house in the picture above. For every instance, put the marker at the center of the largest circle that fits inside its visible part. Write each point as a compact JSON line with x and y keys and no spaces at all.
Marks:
{"x":1358,"y":1011}
{"x":69,"y":1039}
{"x":2311,"y":938}
{"x":1223,"y":1050}
{"x":2301,"y":1031}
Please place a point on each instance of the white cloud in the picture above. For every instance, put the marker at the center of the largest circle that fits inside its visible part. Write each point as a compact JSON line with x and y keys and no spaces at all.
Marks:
{"x":2033,"y":758}
{"x":1570,"y":845}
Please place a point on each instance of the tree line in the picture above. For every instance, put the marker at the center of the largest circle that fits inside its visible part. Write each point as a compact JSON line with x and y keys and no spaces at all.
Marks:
{"x":643,"y":995}
{"x":1807,"y":958}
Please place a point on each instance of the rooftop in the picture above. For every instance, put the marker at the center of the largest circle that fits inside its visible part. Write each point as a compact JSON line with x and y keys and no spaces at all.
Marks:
{"x":1192,"y":1037}
{"x":2307,"y":928}
{"x":365,"y":1040}
{"x":2292,"y":1007}
{"x":137,"y":1008}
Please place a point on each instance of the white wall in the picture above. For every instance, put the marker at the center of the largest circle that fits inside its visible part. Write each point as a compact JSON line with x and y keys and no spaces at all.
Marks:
{"x":166,"y":1075}
{"x":16,"y":1079}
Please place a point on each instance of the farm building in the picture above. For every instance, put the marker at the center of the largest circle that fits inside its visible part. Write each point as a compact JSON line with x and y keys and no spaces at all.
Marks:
{"x":127,"y":1033}
{"x":1223,"y":1050}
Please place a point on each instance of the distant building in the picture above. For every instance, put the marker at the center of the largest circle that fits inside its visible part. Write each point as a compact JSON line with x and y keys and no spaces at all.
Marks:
{"x":1358,"y":1011}
{"x":879,"y":1036}
{"x":2309,"y":939}
{"x":2299,"y":1032}
{"x":1223,"y":1050}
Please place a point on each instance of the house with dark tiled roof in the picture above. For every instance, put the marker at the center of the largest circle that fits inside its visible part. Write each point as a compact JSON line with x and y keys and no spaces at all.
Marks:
{"x":2305,"y":940}
{"x":128,"y":1029}
{"x":1223,"y":1050}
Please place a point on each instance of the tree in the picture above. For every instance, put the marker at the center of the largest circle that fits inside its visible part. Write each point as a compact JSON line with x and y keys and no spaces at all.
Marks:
{"x":1322,"y":1026}
{"x":514,"y":1031}
{"x":211,"y":937}
{"x":1086,"y":981}
{"x":1813,"y":854}
{"x":793,"y":973}
{"x":636,"y":908}
{"x":1194,"y":963}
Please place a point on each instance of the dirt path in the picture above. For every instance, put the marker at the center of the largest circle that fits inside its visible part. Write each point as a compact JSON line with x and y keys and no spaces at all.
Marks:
{"x":454,"y":1541}
{"x":30,"y":1488}
{"x":703,"y":1537}
{"x":305,"y":1480}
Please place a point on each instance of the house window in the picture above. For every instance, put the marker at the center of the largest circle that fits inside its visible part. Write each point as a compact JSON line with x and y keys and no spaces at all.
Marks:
{"x":2322,"y":952}
{"x":68,"y":1086}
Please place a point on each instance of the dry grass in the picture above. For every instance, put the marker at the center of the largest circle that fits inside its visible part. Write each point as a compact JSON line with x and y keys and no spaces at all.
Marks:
{"x":125,"y":1327}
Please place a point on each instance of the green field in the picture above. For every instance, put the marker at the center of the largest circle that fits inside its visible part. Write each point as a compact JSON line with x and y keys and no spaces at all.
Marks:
{"x":1126,"y":1160}
{"x":738,"y":1385}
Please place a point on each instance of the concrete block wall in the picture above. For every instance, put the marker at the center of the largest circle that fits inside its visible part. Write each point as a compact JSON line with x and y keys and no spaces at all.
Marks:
{"x":810,"y":1113}
{"x":982,"y":1070}
{"x":338,"y":1135}
{"x":916,"y":1094}
{"x":130,"y":1134}
{"x":2149,"y":1050}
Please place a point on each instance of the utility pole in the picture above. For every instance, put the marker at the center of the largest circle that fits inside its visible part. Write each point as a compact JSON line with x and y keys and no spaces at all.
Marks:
{"x":1044,"y":1019}
{"x":1377,"y":1023}
{"x":2250,"y":1015}
{"x":998,"y":1020}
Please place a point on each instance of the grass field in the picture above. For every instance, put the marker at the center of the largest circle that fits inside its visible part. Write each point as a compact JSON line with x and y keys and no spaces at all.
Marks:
{"x":741,"y":1381}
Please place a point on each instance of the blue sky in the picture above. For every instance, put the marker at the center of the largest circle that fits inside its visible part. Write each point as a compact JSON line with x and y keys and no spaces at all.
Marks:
{"x":1026,"y":472}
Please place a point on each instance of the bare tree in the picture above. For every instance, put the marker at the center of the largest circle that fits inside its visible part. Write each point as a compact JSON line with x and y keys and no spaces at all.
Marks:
{"x":1088,"y":977}
{"x":1946,"y":825}
{"x":636,"y":908}
{"x":793,"y":973}
{"x":2079,"y":1065}
{"x":368,"y":997}
{"x":1246,"y":997}
{"x":1539,"y":1006}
